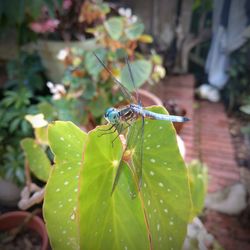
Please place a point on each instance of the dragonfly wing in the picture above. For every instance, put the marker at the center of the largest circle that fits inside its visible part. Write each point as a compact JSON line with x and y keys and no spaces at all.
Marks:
{"x":132,"y":138}
{"x":124,"y":90}
{"x":133,"y":80}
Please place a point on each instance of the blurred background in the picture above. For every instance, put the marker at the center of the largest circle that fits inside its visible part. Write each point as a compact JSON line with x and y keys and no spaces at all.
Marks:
{"x":192,"y":57}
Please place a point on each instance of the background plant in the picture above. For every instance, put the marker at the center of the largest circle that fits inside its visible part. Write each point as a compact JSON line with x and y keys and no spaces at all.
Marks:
{"x":237,"y":91}
{"x":88,"y":83}
{"x":19,"y":97}
{"x":67,"y":19}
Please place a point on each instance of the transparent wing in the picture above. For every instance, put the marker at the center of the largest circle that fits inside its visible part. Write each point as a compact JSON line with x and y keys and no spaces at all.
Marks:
{"x":133,"y":81}
{"x":134,"y":145}
{"x":124,"y":90}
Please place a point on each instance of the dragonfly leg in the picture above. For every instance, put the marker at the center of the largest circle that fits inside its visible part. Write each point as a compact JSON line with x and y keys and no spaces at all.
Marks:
{"x":111,"y":132}
{"x":113,"y":125}
{"x":120,"y":131}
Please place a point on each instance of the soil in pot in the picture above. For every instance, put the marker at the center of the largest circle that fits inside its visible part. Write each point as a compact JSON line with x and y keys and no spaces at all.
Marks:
{"x":22,"y":230}
{"x":27,"y":239}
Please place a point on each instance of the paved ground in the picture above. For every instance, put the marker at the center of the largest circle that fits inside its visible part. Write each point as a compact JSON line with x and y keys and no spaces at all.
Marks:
{"x":207,"y":138}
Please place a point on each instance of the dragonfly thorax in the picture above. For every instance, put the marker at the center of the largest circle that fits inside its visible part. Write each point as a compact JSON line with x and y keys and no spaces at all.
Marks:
{"x":112,"y":115}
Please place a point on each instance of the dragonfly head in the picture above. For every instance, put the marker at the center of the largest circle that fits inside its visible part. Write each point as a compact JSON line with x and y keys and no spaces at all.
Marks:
{"x":112,"y":115}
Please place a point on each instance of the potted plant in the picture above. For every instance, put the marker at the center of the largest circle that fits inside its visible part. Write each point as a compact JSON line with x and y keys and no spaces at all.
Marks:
{"x":87,"y":87}
{"x":61,"y":24}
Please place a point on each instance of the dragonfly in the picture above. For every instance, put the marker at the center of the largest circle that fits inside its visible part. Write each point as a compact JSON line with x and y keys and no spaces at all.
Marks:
{"x":124,"y":117}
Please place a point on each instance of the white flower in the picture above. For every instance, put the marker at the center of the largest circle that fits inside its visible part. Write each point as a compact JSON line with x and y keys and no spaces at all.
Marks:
{"x":56,"y":96}
{"x":160,"y":70}
{"x":62,"y":54}
{"x":37,"y":121}
{"x":134,"y":19}
{"x":56,"y":89}
{"x":128,"y":14}
{"x":125,"y":12}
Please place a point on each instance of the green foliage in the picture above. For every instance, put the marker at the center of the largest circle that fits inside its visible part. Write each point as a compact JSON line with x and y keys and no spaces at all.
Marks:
{"x":12,"y":159}
{"x":25,"y":71}
{"x":13,"y":108}
{"x":60,"y":203}
{"x":141,"y":72}
{"x":198,"y":179}
{"x":134,"y":31}
{"x":245,"y":108}
{"x":18,"y":99}
{"x":237,"y":91}
{"x":156,"y":216}
{"x":114,"y":27}
{"x":115,"y":37}
{"x":37,"y":159}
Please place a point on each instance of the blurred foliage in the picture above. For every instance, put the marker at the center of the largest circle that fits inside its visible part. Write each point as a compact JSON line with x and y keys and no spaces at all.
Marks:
{"x":198,"y":179}
{"x":87,"y":84}
{"x":18,"y":14}
{"x":237,"y":90}
{"x":25,"y":71}
{"x":18,"y":98}
{"x":11,"y":164}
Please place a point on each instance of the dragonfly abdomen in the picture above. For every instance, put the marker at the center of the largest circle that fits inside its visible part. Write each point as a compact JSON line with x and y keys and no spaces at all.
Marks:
{"x":172,"y":118}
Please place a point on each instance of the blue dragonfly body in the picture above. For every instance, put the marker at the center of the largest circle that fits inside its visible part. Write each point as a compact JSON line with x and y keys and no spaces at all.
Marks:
{"x":123,"y":118}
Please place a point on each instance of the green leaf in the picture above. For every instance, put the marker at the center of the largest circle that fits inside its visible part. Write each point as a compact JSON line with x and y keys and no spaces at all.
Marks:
{"x":114,"y":27}
{"x":245,"y":109}
{"x":198,"y":185}
{"x":165,"y":187}
{"x":60,"y":201}
{"x":92,"y":65}
{"x":38,"y":161}
{"x":117,"y":221}
{"x":134,"y":31}
{"x":141,"y":70}
{"x":41,"y":135}
{"x":47,"y":109}
{"x":99,"y":104}
{"x":108,"y":222}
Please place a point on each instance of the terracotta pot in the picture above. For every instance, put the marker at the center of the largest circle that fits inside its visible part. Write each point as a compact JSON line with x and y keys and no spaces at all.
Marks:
{"x":148,"y":98}
{"x":11,"y":220}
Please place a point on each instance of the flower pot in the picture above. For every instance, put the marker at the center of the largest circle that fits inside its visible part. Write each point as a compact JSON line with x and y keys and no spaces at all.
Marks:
{"x":148,"y":98}
{"x":11,"y":220}
{"x":48,"y":50}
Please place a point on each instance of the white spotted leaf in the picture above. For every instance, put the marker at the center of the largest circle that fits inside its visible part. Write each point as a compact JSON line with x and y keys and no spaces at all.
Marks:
{"x":165,"y":185}
{"x":60,"y":201}
{"x":108,"y":222}
{"x":37,"y":159}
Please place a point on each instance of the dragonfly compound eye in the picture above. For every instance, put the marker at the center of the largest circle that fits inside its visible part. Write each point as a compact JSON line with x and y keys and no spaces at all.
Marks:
{"x":111,"y":115}
{"x":108,"y":112}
